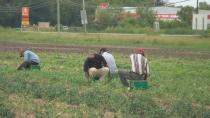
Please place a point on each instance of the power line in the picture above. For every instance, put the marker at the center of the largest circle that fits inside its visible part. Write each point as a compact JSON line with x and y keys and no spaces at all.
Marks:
{"x":177,"y":2}
{"x":10,"y":11}
{"x":39,"y":6}
{"x":17,"y":8}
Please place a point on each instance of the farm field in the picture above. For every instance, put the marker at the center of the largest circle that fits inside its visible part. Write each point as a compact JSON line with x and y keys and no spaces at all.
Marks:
{"x":179,"y":87}
{"x":179,"y":82}
{"x":195,"y":43}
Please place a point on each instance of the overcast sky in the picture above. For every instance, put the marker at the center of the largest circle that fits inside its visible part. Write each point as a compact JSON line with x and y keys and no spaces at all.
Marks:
{"x":190,"y":2}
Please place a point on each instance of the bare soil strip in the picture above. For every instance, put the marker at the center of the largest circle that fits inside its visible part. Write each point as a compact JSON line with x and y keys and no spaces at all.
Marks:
{"x":159,"y":52}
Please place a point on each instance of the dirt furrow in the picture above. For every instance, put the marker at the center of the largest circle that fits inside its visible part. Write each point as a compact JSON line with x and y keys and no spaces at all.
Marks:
{"x":160,"y":52}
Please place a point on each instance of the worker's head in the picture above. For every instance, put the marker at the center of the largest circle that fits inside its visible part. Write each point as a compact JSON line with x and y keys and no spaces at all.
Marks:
{"x":140,"y":51}
{"x":102,"y":50}
{"x":92,"y":54}
{"x":22,"y":52}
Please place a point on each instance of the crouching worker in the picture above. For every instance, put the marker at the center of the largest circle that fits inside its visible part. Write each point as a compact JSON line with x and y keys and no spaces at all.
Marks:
{"x":139,"y":68}
{"x":30,"y":58}
{"x":95,"y":66}
{"x":110,"y":61}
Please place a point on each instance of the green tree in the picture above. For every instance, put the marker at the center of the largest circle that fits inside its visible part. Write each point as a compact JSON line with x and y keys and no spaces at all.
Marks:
{"x":147,"y":17}
{"x":45,"y":10}
{"x":204,"y":6}
{"x":106,"y":18}
{"x":159,"y":2}
{"x":122,"y":3}
{"x":185,"y":15}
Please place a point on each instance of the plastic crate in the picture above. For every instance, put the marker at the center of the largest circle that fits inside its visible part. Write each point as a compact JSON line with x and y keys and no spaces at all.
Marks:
{"x":143,"y":84}
{"x":35,"y":67}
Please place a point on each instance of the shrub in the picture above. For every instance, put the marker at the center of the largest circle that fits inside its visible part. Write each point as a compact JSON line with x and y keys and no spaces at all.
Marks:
{"x":147,"y":17}
{"x":171,"y":24}
{"x":105,"y":18}
{"x":178,"y":31}
{"x":185,"y":15}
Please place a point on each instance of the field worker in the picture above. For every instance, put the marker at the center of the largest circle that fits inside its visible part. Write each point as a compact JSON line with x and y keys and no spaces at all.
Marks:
{"x":95,"y":66}
{"x":30,"y":58}
{"x":139,"y":68}
{"x":110,"y":60}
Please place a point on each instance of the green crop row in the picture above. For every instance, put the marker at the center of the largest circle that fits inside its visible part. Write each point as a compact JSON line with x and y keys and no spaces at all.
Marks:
{"x":178,"y":87}
{"x":6,"y":109}
{"x":105,"y":100}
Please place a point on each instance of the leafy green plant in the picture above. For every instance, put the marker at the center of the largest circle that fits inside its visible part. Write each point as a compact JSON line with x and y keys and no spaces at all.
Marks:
{"x":73,"y":97}
{"x":6,"y":112}
{"x":143,"y":106}
{"x":183,"y":109}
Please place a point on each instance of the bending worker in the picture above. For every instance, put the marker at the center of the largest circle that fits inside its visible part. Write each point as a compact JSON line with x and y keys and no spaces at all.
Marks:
{"x":95,"y":66}
{"x":110,"y":61}
{"x":30,"y":58}
{"x":139,"y":68}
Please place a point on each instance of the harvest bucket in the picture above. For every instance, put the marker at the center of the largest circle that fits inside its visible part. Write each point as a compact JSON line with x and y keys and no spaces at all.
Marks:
{"x":35,"y":67}
{"x":143,"y":84}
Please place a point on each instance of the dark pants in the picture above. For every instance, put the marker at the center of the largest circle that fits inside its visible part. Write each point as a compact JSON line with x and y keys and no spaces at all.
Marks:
{"x":26,"y":65}
{"x":125,"y":76}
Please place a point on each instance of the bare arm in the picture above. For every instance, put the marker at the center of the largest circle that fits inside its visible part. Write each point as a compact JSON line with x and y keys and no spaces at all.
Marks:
{"x":86,"y":69}
{"x":87,"y":76}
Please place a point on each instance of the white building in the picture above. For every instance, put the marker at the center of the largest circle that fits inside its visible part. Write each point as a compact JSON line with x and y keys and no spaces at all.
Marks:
{"x":164,"y":13}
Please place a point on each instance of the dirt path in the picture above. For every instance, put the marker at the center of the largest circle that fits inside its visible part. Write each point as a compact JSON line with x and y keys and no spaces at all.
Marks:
{"x":160,"y":52}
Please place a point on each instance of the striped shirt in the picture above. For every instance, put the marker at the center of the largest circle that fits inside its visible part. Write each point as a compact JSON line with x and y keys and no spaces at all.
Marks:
{"x":139,"y":64}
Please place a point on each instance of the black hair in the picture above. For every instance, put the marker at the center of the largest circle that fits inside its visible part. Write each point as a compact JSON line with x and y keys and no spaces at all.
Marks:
{"x":102,"y":50}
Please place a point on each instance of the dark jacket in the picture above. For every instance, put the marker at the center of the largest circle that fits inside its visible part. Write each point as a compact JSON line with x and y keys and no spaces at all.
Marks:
{"x":97,"y":62}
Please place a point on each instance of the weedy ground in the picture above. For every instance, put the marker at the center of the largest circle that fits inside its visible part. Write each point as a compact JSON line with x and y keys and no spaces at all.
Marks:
{"x":179,"y":88}
{"x":196,"y":43}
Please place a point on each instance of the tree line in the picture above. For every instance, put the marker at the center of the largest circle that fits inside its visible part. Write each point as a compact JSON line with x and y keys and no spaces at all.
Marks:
{"x":45,"y":11}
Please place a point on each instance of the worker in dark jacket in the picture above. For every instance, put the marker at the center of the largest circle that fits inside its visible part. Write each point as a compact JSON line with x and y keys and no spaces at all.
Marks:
{"x":95,"y":66}
{"x":29,"y":59}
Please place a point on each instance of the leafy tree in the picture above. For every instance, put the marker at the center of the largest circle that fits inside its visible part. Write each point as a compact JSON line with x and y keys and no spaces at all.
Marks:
{"x":185,"y":15}
{"x":106,"y":18}
{"x":45,"y":10}
{"x":204,"y":6}
{"x":147,"y":17}
{"x":160,"y":2}
{"x":124,"y":2}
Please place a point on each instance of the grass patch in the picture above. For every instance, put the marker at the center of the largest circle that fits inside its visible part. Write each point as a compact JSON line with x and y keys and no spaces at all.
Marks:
{"x":155,"y":41}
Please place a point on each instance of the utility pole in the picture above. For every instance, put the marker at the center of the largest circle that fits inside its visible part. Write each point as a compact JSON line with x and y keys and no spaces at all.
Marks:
{"x":154,"y":3}
{"x":29,"y":3}
{"x":197,"y":7}
{"x":84,"y":20}
{"x":58,"y":16}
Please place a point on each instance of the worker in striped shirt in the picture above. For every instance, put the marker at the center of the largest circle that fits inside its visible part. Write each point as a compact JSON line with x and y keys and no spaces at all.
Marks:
{"x":139,"y":68}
